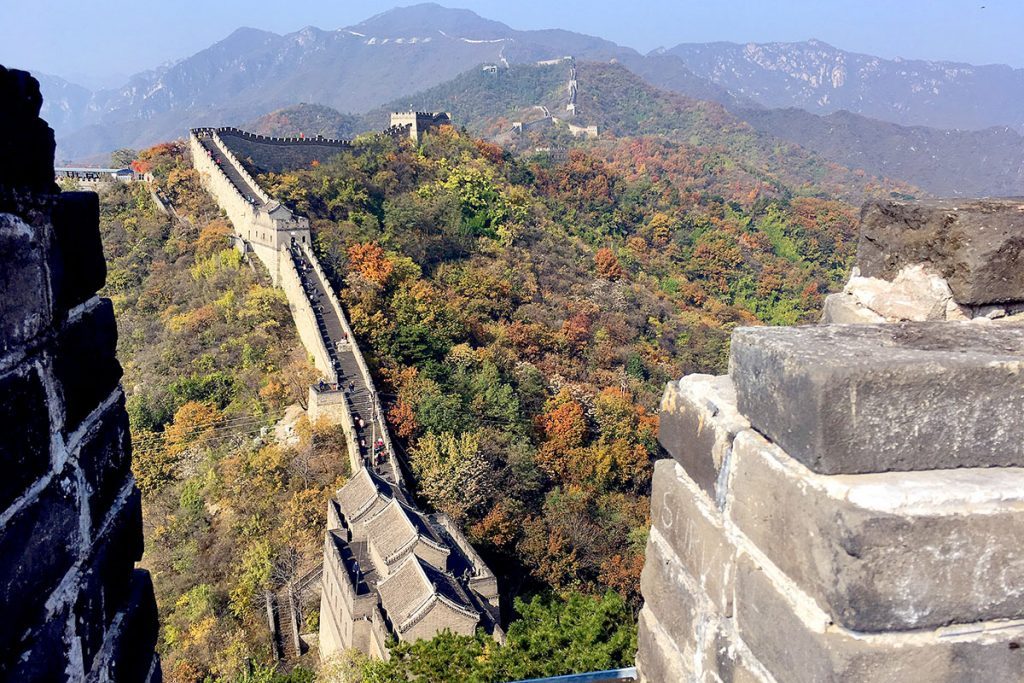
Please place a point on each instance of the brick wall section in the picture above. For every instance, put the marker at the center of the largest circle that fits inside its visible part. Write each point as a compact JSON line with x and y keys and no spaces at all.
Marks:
{"x":847,"y":504}
{"x":75,"y":607}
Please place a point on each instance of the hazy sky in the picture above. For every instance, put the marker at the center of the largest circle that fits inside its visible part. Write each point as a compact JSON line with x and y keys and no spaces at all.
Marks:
{"x":101,"y":40}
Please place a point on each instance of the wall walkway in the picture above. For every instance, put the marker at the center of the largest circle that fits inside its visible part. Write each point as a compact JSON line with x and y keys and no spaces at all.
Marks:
{"x":345,"y":394}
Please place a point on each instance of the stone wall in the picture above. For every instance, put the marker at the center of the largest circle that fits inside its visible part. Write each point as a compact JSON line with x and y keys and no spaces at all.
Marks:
{"x":266,"y":226}
{"x":418,"y":122}
{"x":846,"y":504}
{"x":305,"y":320}
{"x":75,"y":607}
{"x":275,"y":154}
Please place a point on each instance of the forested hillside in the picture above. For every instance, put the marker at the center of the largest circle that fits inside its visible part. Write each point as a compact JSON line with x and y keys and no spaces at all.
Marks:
{"x":737,"y":158}
{"x":522,"y":316}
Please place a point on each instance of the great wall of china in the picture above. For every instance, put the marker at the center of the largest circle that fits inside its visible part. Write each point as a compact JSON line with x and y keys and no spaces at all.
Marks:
{"x":75,"y":607}
{"x":389,"y":569}
{"x":845,"y":505}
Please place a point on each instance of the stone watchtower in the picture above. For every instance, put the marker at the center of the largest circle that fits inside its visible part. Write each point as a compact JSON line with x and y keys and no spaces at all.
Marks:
{"x":848,"y":503}
{"x":417,"y":122}
{"x":75,"y":608}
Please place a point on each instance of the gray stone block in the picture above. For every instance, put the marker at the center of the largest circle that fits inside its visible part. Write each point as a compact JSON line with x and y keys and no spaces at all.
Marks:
{"x":683,"y":516}
{"x":720,"y":657}
{"x":697,"y":424}
{"x":40,"y":545}
{"x":796,"y":644}
{"x":24,"y":432}
{"x":25,"y":307}
{"x":104,"y":455}
{"x":892,"y":551}
{"x":846,"y":399}
{"x":977,"y":245}
{"x":675,"y":598}
{"x":86,"y":364}
{"x":658,"y":658}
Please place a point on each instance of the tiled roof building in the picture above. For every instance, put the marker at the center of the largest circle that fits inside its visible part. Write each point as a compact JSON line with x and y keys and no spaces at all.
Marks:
{"x":392,"y":571}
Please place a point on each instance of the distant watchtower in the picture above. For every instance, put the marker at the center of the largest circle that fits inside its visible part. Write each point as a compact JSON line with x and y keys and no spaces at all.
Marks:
{"x":419,"y":121}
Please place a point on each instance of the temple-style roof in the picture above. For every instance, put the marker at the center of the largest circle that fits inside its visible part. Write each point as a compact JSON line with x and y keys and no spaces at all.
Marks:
{"x":364,"y":494}
{"x":395,"y":529}
{"x":415,"y":588}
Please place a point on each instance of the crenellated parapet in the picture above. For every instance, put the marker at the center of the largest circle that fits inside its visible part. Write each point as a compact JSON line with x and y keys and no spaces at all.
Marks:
{"x":222,"y":131}
{"x":846,"y":504}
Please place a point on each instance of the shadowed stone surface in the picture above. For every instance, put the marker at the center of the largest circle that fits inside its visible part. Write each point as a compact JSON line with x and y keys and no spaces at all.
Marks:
{"x":977,"y":245}
{"x":886,"y":552}
{"x":74,"y":606}
{"x":873,"y":398}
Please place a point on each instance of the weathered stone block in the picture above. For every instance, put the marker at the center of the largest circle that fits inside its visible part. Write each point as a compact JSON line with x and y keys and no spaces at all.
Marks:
{"x":846,"y":399}
{"x":977,"y":245}
{"x":44,"y":655}
{"x":40,"y":543}
{"x":697,"y":424}
{"x":796,"y":643}
{"x":76,"y":227}
{"x":721,"y":660}
{"x":104,"y":455}
{"x":844,"y":309}
{"x":890,"y":551}
{"x":24,"y":432}
{"x":676,"y":599}
{"x":659,"y":659}
{"x":25,"y":305}
{"x":85,"y":364}
{"x":683,"y":516}
{"x":132,"y":646}
{"x":107,"y":579}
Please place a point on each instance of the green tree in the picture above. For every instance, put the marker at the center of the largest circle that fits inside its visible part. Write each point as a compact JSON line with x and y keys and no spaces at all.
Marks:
{"x":452,"y":472}
{"x":553,"y":637}
{"x":122,"y":158}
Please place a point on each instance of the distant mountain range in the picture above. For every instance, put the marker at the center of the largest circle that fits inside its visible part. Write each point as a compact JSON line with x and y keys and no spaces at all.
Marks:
{"x":823,"y":79}
{"x":943,"y":162}
{"x":392,"y":56}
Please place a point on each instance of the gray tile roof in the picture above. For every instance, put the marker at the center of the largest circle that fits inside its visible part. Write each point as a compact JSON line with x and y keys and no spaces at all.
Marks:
{"x":363,"y":495}
{"x":395,"y":529}
{"x":415,"y":588}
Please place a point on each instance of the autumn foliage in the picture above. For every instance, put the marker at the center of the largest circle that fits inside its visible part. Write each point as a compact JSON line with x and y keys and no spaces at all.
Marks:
{"x":369,"y":260}
{"x":607,"y":264}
